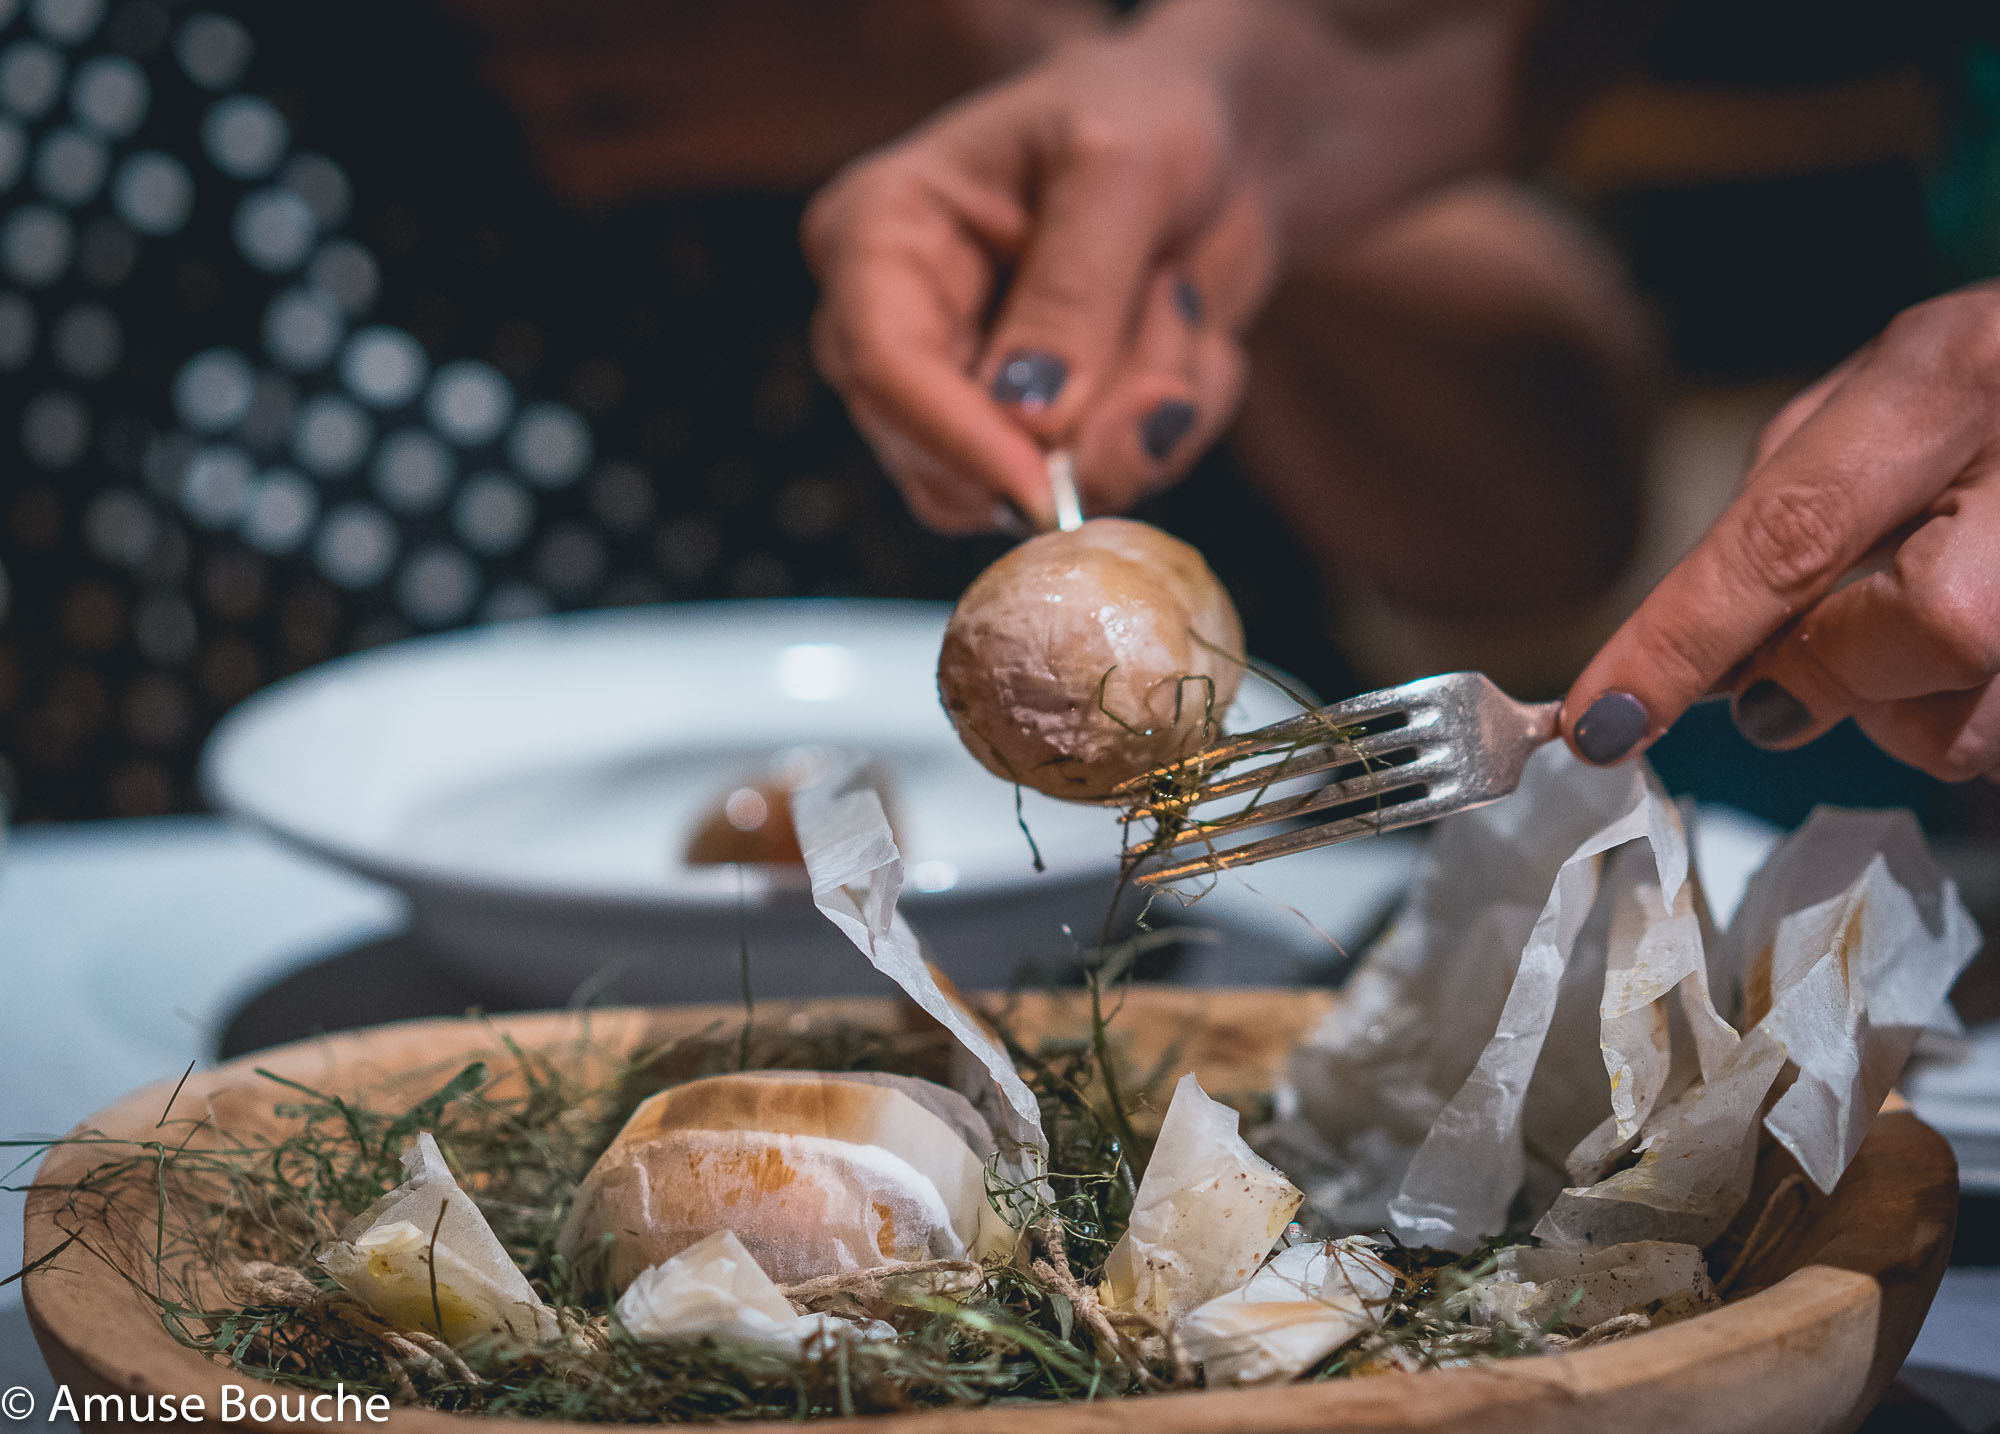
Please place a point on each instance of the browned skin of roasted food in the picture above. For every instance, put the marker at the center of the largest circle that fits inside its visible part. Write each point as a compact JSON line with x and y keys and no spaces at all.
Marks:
{"x":1082,"y":659}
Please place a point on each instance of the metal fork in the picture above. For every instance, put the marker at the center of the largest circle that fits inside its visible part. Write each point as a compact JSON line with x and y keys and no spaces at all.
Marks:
{"x":1394,"y":758}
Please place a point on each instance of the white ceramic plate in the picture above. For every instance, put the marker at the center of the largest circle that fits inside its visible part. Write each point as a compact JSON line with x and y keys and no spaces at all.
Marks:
{"x":532,"y":786}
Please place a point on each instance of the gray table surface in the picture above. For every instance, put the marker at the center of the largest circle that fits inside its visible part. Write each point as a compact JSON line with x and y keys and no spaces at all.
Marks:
{"x":126,"y":948}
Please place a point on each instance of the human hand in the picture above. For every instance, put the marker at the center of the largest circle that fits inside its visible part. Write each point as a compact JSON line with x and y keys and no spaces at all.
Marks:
{"x":1857,"y":574}
{"x":1103,"y":202}
{"x":1070,"y":258}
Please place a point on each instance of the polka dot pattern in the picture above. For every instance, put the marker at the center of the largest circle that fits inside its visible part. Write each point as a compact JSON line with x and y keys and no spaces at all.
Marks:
{"x":213,"y":390}
{"x":214,"y":50}
{"x":332,"y":436}
{"x":269,"y":411}
{"x":13,"y":152}
{"x":154,"y":193}
{"x":550,"y":445}
{"x":215,"y":487}
{"x":36,"y":243}
{"x":244,"y":136}
{"x":88,"y":341}
{"x":302,"y":328}
{"x":70,"y":166}
{"x":384,"y":367}
{"x":356,"y":545}
{"x":469,"y":402}
{"x":274,"y":230}
{"x":322,"y":184}
{"x":66,"y":21}
{"x":413,"y":470}
{"x":281,"y":512}
{"x":19,"y":331}
{"x":55,"y":428}
{"x":346,"y":272}
{"x":493,"y":513}
{"x":31,"y":78}
{"x":110,"y":94}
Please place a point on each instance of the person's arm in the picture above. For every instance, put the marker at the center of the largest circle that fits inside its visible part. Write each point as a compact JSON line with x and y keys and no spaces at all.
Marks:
{"x":1857,"y":575}
{"x":1071,"y":257}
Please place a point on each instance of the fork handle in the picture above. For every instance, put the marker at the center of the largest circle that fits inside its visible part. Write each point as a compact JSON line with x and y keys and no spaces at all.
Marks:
{"x":1543,"y":719}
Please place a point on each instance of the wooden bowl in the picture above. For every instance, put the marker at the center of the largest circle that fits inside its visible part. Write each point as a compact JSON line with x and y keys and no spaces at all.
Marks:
{"x":1830,"y":1314}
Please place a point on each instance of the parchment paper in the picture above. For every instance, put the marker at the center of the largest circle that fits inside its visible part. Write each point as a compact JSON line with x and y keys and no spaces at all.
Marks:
{"x":1305,"y":1303}
{"x":1551,"y":1030}
{"x":384,"y":1259}
{"x":1206,"y":1214}
{"x":716,"y":1288}
{"x":857,"y":876}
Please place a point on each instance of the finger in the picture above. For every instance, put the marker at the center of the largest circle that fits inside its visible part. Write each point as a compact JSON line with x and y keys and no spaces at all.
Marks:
{"x":1875,"y":455}
{"x":1954,"y":736}
{"x":1178,"y":389}
{"x":944,"y":510}
{"x":1927,"y":621}
{"x":1105,"y":219}
{"x":1802,"y":406}
{"x":936,"y":496}
{"x":896,"y":325}
{"x":1232,"y":261}
{"x":1148,"y":404}
{"x":1188,"y":351}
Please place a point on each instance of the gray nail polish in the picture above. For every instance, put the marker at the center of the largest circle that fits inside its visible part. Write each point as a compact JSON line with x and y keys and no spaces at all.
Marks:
{"x":1187,"y":301}
{"x":1611,"y":727}
{"x":1768,"y":714}
{"x":1162,"y":429}
{"x":1030,"y":380}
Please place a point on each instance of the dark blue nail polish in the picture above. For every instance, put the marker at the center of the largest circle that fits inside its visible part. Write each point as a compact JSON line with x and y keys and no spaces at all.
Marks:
{"x":1162,"y":429}
{"x":1030,"y":380}
{"x":1611,"y":727}
{"x":1187,"y":301}
{"x":1768,"y":714}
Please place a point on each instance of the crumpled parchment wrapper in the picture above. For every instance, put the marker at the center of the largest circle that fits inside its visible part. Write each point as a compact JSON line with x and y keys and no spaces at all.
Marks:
{"x":1304,"y":1303}
{"x":1204,"y":1217}
{"x":715,"y":1288}
{"x":857,"y":876}
{"x":384,"y":1259}
{"x":1553,"y":1028}
{"x":1541,"y":1289}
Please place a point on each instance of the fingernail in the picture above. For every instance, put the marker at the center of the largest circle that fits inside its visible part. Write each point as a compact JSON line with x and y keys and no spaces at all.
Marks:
{"x":1187,"y":299}
{"x":1611,"y":727}
{"x":1030,"y":380}
{"x":1164,"y":427}
{"x":1768,"y":714}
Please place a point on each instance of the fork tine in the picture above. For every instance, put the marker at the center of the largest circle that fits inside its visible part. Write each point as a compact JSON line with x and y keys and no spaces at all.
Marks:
{"x":1466,"y":743}
{"x":1305,"y":839}
{"x":1323,"y":722}
{"x":1305,"y":763}
{"x":1378,"y":783}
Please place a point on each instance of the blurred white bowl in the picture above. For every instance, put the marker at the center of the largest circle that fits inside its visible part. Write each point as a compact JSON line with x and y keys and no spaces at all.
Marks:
{"x":532,"y":787}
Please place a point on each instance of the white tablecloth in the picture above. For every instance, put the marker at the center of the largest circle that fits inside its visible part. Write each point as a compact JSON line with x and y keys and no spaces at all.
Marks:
{"x":124,"y":946}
